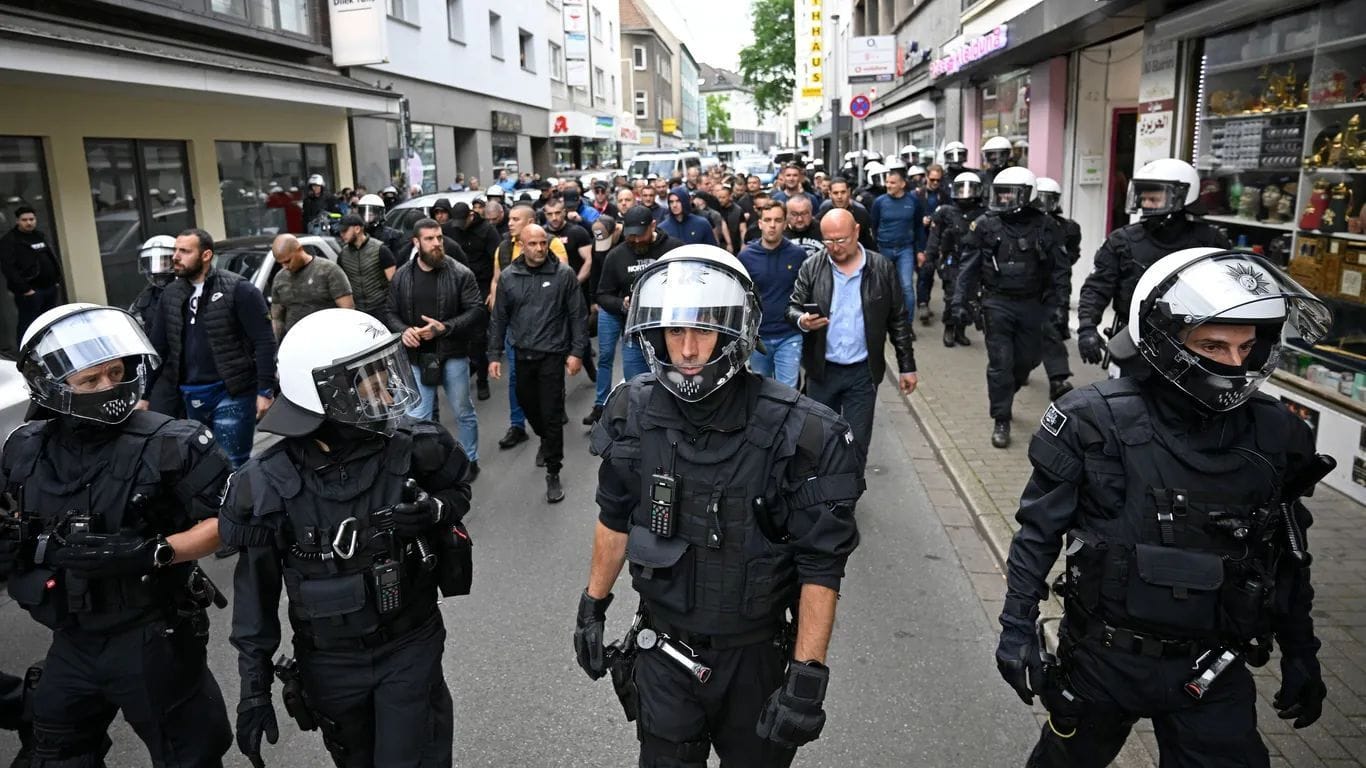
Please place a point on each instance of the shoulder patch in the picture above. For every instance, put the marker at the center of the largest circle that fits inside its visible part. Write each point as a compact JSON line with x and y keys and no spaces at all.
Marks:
{"x":973,"y":226}
{"x":1053,"y":420}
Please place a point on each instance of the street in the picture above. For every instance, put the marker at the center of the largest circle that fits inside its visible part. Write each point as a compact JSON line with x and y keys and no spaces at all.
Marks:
{"x":913,"y":681}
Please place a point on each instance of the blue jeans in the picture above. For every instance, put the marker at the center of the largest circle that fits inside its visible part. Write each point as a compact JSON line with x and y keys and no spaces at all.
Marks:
{"x":903,"y":256}
{"x":633,"y":363}
{"x":515,"y":416}
{"x":231,"y":419}
{"x":455,"y":373}
{"x":783,"y":359}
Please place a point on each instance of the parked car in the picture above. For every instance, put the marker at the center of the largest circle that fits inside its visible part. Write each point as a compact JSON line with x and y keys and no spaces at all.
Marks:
{"x":251,"y":258}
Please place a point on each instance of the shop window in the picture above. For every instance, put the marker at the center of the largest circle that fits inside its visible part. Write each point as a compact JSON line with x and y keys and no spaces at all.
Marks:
{"x":526,"y":50}
{"x":23,"y":181}
{"x":495,"y":36}
{"x":556,"y":63}
{"x":504,"y":152}
{"x":422,"y":141}
{"x":455,"y":20}
{"x":138,"y":189}
{"x":1004,"y":107}
{"x":263,"y":184}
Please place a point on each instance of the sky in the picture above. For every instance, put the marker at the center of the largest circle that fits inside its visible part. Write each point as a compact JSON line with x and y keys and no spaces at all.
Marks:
{"x":714,"y":30}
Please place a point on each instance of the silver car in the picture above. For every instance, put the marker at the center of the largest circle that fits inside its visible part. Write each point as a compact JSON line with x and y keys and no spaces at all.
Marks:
{"x":251,"y":258}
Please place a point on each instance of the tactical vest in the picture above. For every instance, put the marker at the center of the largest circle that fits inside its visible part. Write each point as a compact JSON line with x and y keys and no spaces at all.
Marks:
{"x":953,"y":222}
{"x":1136,"y":250}
{"x":232,"y":355}
{"x":120,"y":492}
{"x":329,"y":514}
{"x":1176,"y":542}
{"x":719,"y":574}
{"x":1015,"y":266}
{"x":369,"y":286}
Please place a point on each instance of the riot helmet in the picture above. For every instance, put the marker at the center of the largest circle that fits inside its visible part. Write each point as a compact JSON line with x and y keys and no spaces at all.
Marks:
{"x":967,"y":187}
{"x":371,"y":211}
{"x":915,"y":176}
{"x":1047,"y":195}
{"x":1197,"y":288}
{"x":996,"y":152}
{"x":389,"y":195}
{"x":156,"y":259}
{"x":316,"y":180}
{"x":876,"y":173}
{"x":1163,"y":187}
{"x":343,"y":366}
{"x":1011,"y":190}
{"x":955,"y":153}
{"x":87,"y":361}
{"x":910,"y":154}
{"x":702,"y":287}
{"x":926,"y":158}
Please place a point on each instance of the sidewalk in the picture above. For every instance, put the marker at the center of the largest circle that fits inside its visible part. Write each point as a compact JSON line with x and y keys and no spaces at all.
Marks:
{"x":951,"y":405}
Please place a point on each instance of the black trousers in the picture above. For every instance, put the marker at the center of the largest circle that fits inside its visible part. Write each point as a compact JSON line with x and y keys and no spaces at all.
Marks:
{"x":28,"y":308}
{"x":682,"y":719}
{"x":160,"y":681}
{"x":850,"y":391}
{"x":540,"y":392}
{"x":1014,"y":337}
{"x":1055,"y":353}
{"x":388,"y":707}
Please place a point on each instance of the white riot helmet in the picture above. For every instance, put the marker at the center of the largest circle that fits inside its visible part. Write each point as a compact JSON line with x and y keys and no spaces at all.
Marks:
{"x":1197,"y":287}
{"x":926,"y":157}
{"x":893,"y":163}
{"x":317,"y":180}
{"x":156,"y":259}
{"x":996,"y":152}
{"x":344,"y":366}
{"x":910,"y":154}
{"x":371,"y":211}
{"x":955,"y":153}
{"x":916,"y":176}
{"x":695,"y":286}
{"x":64,"y":343}
{"x":1162,"y":187}
{"x":1047,"y":195}
{"x":967,"y":187}
{"x":1011,"y":190}
{"x":876,"y":173}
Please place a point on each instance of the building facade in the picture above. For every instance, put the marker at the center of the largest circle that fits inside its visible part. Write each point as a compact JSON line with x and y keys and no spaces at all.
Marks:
{"x":737,"y":100}
{"x":585,"y":82}
{"x":649,"y":72}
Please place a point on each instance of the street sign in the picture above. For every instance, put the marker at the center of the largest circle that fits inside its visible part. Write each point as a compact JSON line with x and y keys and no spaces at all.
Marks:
{"x":872,"y":59}
{"x":860,"y":106}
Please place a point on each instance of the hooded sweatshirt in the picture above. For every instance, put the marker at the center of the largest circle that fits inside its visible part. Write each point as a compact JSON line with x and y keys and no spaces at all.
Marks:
{"x":689,"y":228}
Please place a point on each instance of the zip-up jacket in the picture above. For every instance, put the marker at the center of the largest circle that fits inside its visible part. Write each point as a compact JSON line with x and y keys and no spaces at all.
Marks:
{"x":460,"y":307}
{"x":540,"y":309}
{"x":690,"y":228}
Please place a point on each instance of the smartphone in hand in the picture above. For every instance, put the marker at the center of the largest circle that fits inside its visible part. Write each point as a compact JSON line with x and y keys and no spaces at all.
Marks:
{"x":812,"y":309}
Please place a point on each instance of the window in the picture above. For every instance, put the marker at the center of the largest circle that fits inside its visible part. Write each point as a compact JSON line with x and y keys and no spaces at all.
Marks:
{"x":556,"y":62}
{"x":138,"y":189}
{"x":665,"y":67}
{"x":262,"y":184}
{"x":403,"y":10}
{"x":23,"y":181}
{"x":495,"y":36}
{"x":659,"y":107}
{"x":596,"y":24}
{"x":236,"y":8}
{"x":638,"y":59}
{"x":422,"y":140}
{"x":599,"y":85}
{"x":642,"y":105}
{"x":285,"y":15}
{"x":613,"y":91}
{"x":611,"y":36}
{"x":455,"y":20}
{"x":526,"y":50}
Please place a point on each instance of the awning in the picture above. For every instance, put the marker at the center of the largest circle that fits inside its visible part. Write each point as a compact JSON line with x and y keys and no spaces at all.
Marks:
{"x":912,"y":109}
{"x":40,"y":46}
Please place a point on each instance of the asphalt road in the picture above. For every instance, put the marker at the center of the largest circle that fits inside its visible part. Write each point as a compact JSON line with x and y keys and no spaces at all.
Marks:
{"x":912,"y":680}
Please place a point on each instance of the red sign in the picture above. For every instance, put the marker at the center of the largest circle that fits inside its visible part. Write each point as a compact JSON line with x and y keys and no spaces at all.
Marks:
{"x":860,"y":106}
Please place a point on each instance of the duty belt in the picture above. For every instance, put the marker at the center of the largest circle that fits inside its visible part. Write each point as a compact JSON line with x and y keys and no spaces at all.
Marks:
{"x":699,"y":641}
{"x":1138,"y":643}
{"x":405,"y":623}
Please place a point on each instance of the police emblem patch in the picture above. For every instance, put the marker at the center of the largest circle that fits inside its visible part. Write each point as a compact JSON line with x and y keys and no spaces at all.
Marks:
{"x":1053,"y":420}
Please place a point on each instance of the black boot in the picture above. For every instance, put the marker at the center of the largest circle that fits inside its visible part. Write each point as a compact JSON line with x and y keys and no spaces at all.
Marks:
{"x":949,"y":340}
{"x":1057,"y":388}
{"x":926,"y":316}
{"x":540,"y":456}
{"x":960,"y":337}
{"x":514,"y":436}
{"x":593,"y":417}
{"x":554,"y":492}
{"x":1000,"y":436}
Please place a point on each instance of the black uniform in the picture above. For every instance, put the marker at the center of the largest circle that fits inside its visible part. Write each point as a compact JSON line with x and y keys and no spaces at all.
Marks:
{"x":1021,"y":264}
{"x":371,"y":671}
{"x":943,"y":251}
{"x":128,"y":639}
{"x":723,"y":582}
{"x":1170,"y":555}
{"x":1054,"y":350}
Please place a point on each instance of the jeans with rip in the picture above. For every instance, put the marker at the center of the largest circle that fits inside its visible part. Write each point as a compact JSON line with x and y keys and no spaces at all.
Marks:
{"x":455,"y":379}
{"x":232,"y":419}
{"x":783,"y":359}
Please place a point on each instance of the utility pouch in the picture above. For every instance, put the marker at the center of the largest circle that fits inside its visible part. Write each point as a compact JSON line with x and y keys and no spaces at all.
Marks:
{"x":1246,"y":606}
{"x":1175,"y":588}
{"x":624,"y":682}
{"x":1086,"y":552}
{"x":455,"y":564}
{"x":661,"y":569}
{"x":42,"y":594}
{"x":429,"y":365}
{"x":326,"y":598}
{"x":292,"y":691}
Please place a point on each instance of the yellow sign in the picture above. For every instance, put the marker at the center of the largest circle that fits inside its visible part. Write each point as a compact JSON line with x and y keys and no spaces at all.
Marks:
{"x":669,"y":124}
{"x":809,"y":21}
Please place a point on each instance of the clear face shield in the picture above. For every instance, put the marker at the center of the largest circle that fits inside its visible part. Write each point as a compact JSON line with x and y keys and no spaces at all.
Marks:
{"x":91,"y":364}
{"x":156,"y":262}
{"x":1155,"y":198}
{"x":370,"y":214}
{"x":996,"y":158}
{"x":1047,"y":202}
{"x":966,"y":190}
{"x":1008,"y":197}
{"x":955,"y":156}
{"x":372,"y":390}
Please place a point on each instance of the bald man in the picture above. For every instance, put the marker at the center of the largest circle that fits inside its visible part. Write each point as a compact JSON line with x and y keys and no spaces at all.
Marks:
{"x":304,"y":285}
{"x":858,"y":303}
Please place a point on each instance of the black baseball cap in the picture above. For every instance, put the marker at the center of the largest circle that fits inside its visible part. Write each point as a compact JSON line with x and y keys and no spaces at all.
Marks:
{"x":637,"y":221}
{"x":460,"y":210}
{"x":352,"y":220}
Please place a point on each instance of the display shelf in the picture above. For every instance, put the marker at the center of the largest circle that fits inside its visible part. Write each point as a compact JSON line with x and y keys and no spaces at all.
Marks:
{"x":1338,"y":235}
{"x":1253,"y":63}
{"x":1256,"y":115}
{"x":1336,"y":171}
{"x":1340,"y":105}
{"x":1242,"y":222}
{"x":1227,"y":169}
{"x":1345,"y":43}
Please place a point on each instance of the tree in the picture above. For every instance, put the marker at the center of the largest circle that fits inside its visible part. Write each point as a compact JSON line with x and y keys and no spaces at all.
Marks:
{"x":718,"y":118}
{"x":768,"y":64}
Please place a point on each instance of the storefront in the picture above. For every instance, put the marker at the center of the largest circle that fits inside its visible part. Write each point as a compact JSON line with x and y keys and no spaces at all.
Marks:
{"x":581,"y":141}
{"x":1272,"y":113}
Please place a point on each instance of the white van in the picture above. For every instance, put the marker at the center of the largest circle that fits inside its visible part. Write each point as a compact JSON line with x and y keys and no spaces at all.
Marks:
{"x":663,"y":163}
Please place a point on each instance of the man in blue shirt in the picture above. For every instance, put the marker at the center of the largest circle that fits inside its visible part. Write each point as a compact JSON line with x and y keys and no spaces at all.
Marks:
{"x":772,"y":262}
{"x":791,"y":183}
{"x":899,"y":223}
{"x":682,"y":223}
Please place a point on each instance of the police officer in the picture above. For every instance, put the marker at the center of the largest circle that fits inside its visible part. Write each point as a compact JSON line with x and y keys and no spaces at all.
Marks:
{"x":875,"y":174}
{"x":955,"y":155}
{"x":732,"y":496}
{"x":354,"y":513}
{"x":155,"y":263}
{"x":996,"y":152}
{"x":1161,"y":192}
{"x":114,"y":506}
{"x":1016,"y":253}
{"x":371,"y":210}
{"x":390,"y":196}
{"x":1177,"y":491}
{"x":1048,"y":198}
{"x":318,"y":201}
{"x":948,"y":226}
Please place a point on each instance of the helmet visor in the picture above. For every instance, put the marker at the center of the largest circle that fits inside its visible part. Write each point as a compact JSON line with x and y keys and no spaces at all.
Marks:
{"x":955,"y":156}
{"x":156,"y":260}
{"x":691,"y":294}
{"x":86,"y":339}
{"x":1008,"y":197}
{"x":1155,"y":197}
{"x":967,"y":190}
{"x":1235,"y":288}
{"x":370,"y":213}
{"x":371,"y":390}
{"x":996,"y":158}
{"x":1047,"y":201}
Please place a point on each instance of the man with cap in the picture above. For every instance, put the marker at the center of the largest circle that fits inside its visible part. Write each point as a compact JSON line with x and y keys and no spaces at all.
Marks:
{"x":369,"y":266}
{"x":479,"y":240}
{"x":602,"y":200}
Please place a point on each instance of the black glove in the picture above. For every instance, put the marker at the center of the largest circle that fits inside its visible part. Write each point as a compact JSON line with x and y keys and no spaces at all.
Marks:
{"x":416,"y":518}
{"x":1017,"y":658}
{"x":1302,"y":691}
{"x":588,"y":630}
{"x":11,"y":545}
{"x":106,"y":554}
{"x":793,"y":715}
{"x":256,"y":718}
{"x":1060,"y":318}
{"x":1089,"y":345}
{"x":962,"y":316}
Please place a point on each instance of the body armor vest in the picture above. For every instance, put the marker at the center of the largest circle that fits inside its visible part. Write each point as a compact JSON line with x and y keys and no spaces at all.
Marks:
{"x":1016,"y":262}
{"x":232,"y":356}
{"x":952,"y":222}
{"x":1137,"y":249}
{"x":335,"y":558}
{"x":118,"y":489}
{"x":1176,"y":541}
{"x":718,"y":573}
{"x":368,"y":283}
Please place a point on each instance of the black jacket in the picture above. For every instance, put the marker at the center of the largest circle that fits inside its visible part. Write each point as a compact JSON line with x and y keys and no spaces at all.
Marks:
{"x":861,"y":217}
{"x":994,"y":239}
{"x":621,"y":266}
{"x":539,"y":309}
{"x":884,"y":313}
{"x":29,"y":261}
{"x":479,"y":241}
{"x":459,"y":306}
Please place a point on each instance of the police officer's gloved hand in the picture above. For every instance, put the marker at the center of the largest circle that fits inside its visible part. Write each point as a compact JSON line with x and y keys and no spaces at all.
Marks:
{"x":416,"y":518}
{"x":1089,"y":345}
{"x":1302,"y":690}
{"x":794,"y":715}
{"x":106,"y":554}
{"x":1060,"y":318}
{"x":256,"y":718}
{"x":962,"y":316}
{"x":588,"y":631}
{"x":11,"y":545}
{"x":1017,"y":659}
